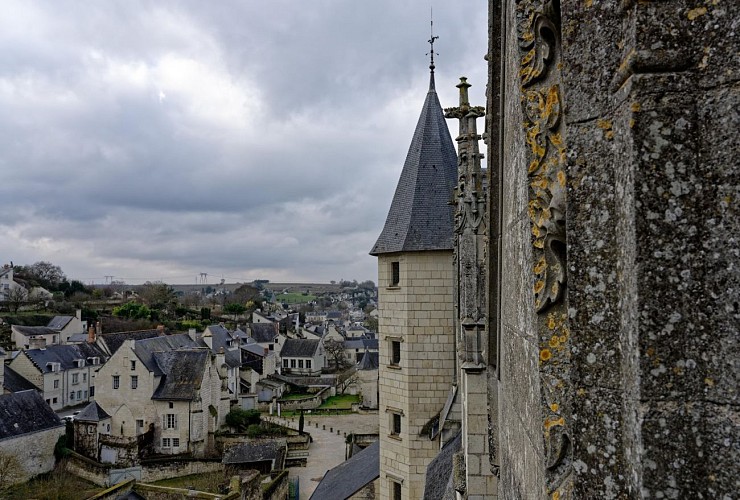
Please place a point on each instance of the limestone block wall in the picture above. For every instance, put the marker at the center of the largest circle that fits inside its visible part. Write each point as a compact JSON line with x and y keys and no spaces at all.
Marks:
{"x":419,"y":314}
{"x":34,"y":451}
{"x":642,"y":116}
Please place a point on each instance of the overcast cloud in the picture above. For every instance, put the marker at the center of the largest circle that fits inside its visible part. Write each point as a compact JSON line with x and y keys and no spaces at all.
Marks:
{"x":245,"y":139}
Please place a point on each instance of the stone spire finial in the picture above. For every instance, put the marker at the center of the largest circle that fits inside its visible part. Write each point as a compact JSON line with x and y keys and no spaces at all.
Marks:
{"x":431,"y":53}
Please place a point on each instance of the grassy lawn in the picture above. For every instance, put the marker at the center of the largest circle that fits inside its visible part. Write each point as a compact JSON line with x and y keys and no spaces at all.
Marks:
{"x":209,"y":482}
{"x":53,"y":486}
{"x":294,"y":298}
{"x":340,"y":402}
{"x":296,"y":396}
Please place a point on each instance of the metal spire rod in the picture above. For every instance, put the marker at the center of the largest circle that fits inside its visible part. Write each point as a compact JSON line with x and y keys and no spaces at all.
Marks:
{"x":432,"y":39}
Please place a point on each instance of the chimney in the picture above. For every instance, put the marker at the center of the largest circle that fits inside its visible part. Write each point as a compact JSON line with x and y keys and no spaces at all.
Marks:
{"x":37,"y":343}
{"x":193,"y":336}
{"x":267,"y":351}
{"x":221,"y":363}
{"x":78,"y":314}
{"x":98,"y":328}
{"x":160,"y":329}
{"x":91,"y":335}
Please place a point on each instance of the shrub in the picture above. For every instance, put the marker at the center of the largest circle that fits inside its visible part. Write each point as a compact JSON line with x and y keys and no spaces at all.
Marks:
{"x":241,"y":419}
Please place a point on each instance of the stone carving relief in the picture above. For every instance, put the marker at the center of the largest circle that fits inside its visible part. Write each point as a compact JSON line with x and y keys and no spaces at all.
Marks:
{"x":541,"y":99}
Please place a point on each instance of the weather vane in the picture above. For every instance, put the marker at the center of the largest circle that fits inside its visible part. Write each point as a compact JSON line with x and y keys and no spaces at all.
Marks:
{"x":432,"y":39}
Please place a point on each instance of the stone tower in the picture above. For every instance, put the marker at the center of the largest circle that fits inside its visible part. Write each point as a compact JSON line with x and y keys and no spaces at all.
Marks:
{"x":415,"y":283}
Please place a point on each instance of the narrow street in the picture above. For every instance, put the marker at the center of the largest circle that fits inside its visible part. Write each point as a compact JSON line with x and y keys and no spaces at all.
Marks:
{"x":327,"y":449}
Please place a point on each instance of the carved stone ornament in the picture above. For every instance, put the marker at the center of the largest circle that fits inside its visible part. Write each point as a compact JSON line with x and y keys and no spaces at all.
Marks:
{"x":542,"y":109}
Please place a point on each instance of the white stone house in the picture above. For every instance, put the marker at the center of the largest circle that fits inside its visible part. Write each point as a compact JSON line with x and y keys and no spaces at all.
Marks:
{"x":29,"y":430}
{"x":65,"y":374}
{"x":302,"y":357}
{"x":7,"y":283}
{"x":57,"y":331}
{"x":170,"y":383}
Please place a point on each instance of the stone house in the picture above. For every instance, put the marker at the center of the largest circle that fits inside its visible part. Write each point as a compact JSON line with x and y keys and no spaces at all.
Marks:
{"x":7,"y":283}
{"x":302,"y":357}
{"x":355,"y":348}
{"x":220,"y":340}
{"x":367,"y":379}
{"x":168,"y":383}
{"x":29,"y":430}
{"x":264,"y":334}
{"x":65,"y":374}
{"x":57,"y":331}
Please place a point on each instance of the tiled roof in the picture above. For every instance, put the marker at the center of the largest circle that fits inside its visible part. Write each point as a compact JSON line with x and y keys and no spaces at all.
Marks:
{"x":420,"y":217}
{"x":66,"y":355}
{"x":257,"y":451}
{"x":299,"y":348}
{"x":59,"y":322}
{"x":146,"y":348}
{"x":439,"y":472}
{"x":220,"y":338}
{"x":15,"y":382}
{"x":113,"y":341}
{"x":92,"y":413}
{"x":369,"y":361}
{"x":350,"y":476}
{"x":34,"y":330}
{"x":183,"y":373}
{"x":25,"y":412}
{"x":263,"y":332}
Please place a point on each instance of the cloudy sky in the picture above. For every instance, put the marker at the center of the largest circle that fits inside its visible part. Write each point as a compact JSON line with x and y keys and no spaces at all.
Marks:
{"x":243,"y":139}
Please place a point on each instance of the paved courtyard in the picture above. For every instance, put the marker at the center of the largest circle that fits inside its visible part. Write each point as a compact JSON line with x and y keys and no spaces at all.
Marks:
{"x":327,"y":449}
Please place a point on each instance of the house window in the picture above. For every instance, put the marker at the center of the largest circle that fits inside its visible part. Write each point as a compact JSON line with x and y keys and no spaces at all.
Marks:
{"x":54,"y":401}
{"x":292,"y":363}
{"x":395,"y":273}
{"x":56,"y":384}
{"x":395,"y":352}
{"x":133,"y":365}
{"x":84,"y":395}
{"x":175,"y":442}
{"x":166,"y":442}
{"x":285,"y":363}
{"x":139,"y":426}
{"x":134,"y":381}
{"x":272,"y":347}
{"x":79,"y":395}
{"x":396,"y":487}
{"x":395,"y":423}
{"x":170,"y":421}
{"x":92,"y":390}
{"x":116,"y":381}
{"x":72,"y":396}
{"x":308,"y":364}
{"x":172,"y":405}
{"x":75,"y":378}
{"x":84,"y":377}
{"x":300,"y":363}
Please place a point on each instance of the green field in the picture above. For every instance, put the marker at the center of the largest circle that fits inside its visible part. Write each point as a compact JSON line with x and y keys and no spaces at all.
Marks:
{"x":294,"y":298}
{"x":341,"y":402}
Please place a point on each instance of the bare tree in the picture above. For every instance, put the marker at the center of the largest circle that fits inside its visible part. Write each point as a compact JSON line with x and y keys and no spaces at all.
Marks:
{"x":336,"y":354}
{"x":15,"y":297}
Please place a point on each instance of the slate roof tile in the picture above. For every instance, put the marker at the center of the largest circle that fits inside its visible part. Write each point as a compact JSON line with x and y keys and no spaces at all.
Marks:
{"x":25,"y":412}
{"x":299,"y":348}
{"x":183,"y":373}
{"x":350,"y":476}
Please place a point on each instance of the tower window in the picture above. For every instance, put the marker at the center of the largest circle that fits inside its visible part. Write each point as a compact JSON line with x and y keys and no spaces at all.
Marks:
{"x":396,"y":490}
{"x":395,"y":273}
{"x":395,"y":352}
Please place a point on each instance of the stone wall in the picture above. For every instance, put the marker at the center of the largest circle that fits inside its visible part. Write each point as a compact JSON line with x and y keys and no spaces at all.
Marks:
{"x":613,"y":126}
{"x":156,"y":470}
{"x":417,"y":313}
{"x":34,"y":451}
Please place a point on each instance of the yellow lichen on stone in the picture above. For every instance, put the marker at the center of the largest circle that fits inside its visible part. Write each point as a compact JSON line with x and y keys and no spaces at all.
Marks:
{"x":709,"y":382}
{"x":588,"y":3}
{"x":554,"y":407}
{"x":554,"y":422}
{"x":635,"y":107}
{"x":581,"y":392}
{"x":539,"y":286}
{"x":551,"y":321}
{"x":541,"y":265}
{"x":697,"y":12}
{"x":545,"y":354}
{"x":561,"y":178}
{"x":554,"y":341}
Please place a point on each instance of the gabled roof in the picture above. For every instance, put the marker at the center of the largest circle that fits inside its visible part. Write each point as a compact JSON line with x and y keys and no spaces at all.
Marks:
{"x":113,"y":341}
{"x":59,"y":322}
{"x":34,"y":330}
{"x":439,"y":472}
{"x":183,"y":373}
{"x":263,"y":332}
{"x":255,"y":349}
{"x":350,"y":476}
{"x":92,"y":413}
{"x":299,"y":348}
{"x":15,"y":382}
{"x":66,"y":355}
{"x":220,"y":338}
{"x":146,"y":348}
{"x":420,"y":217}
{"x":25,"y":412}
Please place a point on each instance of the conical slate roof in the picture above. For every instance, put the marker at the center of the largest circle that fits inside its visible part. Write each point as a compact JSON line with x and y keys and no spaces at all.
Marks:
{"x":420,"y":217}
